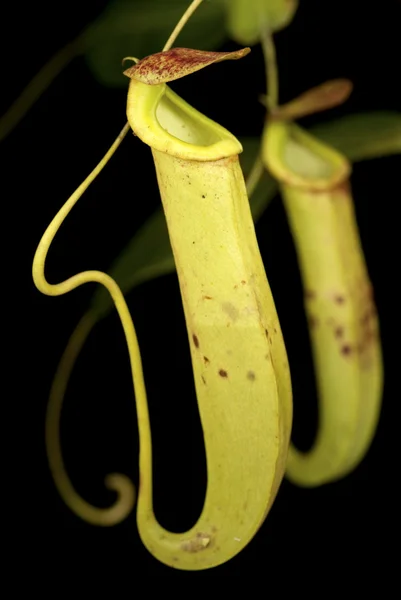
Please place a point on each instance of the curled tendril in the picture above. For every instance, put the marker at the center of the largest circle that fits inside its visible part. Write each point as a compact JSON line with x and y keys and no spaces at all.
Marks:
{"x":119,"y":483}
{"x":115,"y":481}
{"x":134,"y":60}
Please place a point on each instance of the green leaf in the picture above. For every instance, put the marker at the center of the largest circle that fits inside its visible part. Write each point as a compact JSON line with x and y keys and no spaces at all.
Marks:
{"x":250,"y":145}
{"x":146,"y":256}
{"x":141,"y":27}
{"x":245,"y":18}
{"x":149,"y":255}
{"x":265,"y":191}
{"x":267,"y":187}
{"x":364,"y":135}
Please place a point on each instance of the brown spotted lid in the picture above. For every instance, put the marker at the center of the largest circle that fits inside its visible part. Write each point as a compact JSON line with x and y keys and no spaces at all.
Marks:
{"x":176,"y":63}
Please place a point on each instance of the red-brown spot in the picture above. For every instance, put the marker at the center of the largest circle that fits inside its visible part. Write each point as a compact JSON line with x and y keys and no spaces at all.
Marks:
{"x":346,"y":349}
{"x":370,"y":335}
{"x":195,"y":339}
{"x":206,"y":360}
{"x":370,"y":292}
{"x":370,"y":314}
{"x":339,"y":332}
{"x":251,"y":376}
{"x":313,"y":321}
{"x":310,"y":294}
{"x":339,"y":299}
{"x":243,"y":281}
{"x":207,"y":298}
{"x":223,"y":373}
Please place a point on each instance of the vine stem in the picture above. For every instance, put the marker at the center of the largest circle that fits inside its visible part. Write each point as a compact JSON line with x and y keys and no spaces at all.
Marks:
{"x":181,"y":23}
{"x":272,"y":98}
{"x":269,"y":53}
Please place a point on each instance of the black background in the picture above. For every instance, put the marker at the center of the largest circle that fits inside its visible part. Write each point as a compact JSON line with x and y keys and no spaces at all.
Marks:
{"x":343,"y":526}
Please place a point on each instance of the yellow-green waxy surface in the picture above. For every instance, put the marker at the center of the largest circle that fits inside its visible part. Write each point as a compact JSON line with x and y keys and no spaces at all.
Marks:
{"x":239,"y":361}
{"x":339,"y":303}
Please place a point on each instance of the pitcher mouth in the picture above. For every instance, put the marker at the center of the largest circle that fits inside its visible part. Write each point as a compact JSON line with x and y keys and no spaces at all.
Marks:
{"x":165,"y":122}
{"x":295,"y":157}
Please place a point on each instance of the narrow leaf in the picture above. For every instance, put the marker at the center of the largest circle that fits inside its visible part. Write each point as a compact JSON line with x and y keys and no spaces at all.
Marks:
{"x":322,"y":97}
{"x":364,"y":135}
{"x":147,"y":255}
{"x":267,"y":187}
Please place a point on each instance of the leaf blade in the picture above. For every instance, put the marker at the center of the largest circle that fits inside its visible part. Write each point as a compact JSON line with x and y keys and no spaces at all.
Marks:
{"x":363,"y":136}
{"x":146,"y":256}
